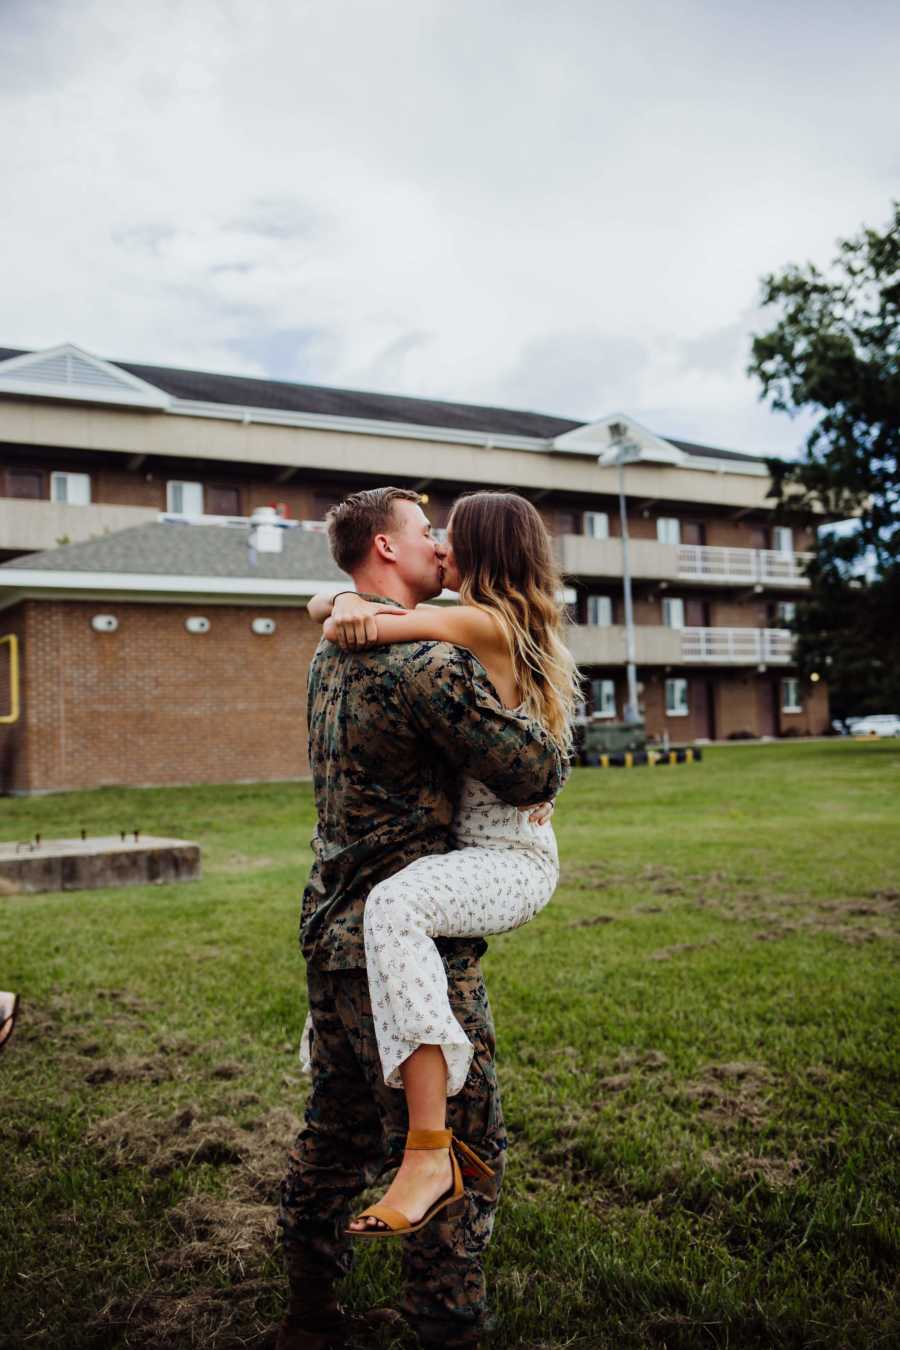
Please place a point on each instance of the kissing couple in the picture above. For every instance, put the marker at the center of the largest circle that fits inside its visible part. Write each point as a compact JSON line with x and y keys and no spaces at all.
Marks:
{"x":439,"y":737}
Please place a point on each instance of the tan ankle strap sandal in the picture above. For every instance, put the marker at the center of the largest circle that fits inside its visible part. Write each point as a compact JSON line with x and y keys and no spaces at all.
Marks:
{"x":394,"y":1224}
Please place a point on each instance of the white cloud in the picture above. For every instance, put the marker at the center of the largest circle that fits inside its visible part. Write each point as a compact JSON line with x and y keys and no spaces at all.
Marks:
{"x":565,"y":207}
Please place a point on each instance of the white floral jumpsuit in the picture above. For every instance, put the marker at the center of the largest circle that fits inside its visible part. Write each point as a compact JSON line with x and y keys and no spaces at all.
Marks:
{"x":503,"y":871}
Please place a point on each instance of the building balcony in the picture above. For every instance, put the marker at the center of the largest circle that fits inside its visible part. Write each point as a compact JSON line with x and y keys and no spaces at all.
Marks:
{"x":30,"y":526}
{"x":693,"y":564}
{"x":698,"y":562}
{"x":659,"y":646}
{"x":737,"y":646}
{"x":605,"y":646}
{"x":581,"y":556}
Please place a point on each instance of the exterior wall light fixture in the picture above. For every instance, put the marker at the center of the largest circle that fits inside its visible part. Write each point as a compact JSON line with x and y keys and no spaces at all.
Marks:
{"x":104,"y":623}
{"x":264,"y":627}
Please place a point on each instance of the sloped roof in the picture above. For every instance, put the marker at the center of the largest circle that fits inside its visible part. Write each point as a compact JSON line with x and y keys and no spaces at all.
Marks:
{"x":710,"y":451}
{"x":158,"y":548}
{"x":245,"y":392}
{"x":285,"y":396}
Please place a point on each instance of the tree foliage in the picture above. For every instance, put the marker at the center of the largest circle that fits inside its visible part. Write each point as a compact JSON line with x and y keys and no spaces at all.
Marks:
{"x":834,"y":351}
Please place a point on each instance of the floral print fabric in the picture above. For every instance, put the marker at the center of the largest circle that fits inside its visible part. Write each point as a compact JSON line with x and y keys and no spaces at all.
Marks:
{"x":503,"y":872}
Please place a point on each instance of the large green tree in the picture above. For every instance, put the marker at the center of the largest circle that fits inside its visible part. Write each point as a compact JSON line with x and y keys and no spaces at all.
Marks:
{"x":834,"y":351}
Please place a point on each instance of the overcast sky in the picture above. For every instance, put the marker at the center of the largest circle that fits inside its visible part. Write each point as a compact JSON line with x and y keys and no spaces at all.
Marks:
{"x":563,"y":205}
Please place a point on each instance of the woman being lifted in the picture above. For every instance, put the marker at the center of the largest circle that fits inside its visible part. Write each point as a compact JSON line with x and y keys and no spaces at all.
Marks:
{"x":505,"y":865}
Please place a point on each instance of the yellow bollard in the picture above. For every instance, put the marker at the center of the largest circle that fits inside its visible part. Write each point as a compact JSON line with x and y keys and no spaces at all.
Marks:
{"x":604,"y":760}
{"x":629,"y":760}
{"x":673,"y":756}
{"x":688,"y":756}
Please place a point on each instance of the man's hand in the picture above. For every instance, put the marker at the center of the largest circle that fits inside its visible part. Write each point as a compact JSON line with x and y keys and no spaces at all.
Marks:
{"x":352,"y":624}
{"x":540,"y":814}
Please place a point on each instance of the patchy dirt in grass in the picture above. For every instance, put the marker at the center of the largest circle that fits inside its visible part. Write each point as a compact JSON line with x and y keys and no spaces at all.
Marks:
{"x":630,"y":1067}
{"x":616,"y":1082}
{"x":212,"y":1231}
{"x":729,"y":1094}
{"x":590,"y":877}
{"x":641,"y":1059}
{"x":854,"y":935}
{"x":593,"y":922}
{"x":224,"y":1317}
{"x":212,"y":1316}
{"x":679,"y":948}
{"x":227,"y":1069}
{"x":230,"y":1234}
{"x":882,"y":903}
{"x":737,"y":1167}
{"x":189,"y":1138}
{"x":777,"y":917}
{"x":122,"y":998}
{"x":128,"y":1069}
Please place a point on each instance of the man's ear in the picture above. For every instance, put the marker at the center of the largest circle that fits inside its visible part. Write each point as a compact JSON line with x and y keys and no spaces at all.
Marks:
{"x":384,"y":548}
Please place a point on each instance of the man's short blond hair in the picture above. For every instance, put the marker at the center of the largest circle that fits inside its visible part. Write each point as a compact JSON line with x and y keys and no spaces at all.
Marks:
{"x":353,"y":525}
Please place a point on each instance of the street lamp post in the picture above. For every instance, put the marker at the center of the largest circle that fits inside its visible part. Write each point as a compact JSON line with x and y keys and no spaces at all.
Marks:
{"x":622,"y":452}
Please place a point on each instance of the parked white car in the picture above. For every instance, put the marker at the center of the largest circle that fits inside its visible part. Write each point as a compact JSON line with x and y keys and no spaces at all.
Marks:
{"x":879,"y":724}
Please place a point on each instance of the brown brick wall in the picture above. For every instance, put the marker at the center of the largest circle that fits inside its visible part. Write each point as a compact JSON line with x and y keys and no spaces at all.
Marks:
{"x":127,"y":489}
{"x":154,"y":704}
{"x":12,"y":736}
{"x":728,"y":612}
{"x":740,"y":700}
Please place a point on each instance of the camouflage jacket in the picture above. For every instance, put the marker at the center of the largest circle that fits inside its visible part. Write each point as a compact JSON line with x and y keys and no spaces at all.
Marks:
{"x":391,"y":730}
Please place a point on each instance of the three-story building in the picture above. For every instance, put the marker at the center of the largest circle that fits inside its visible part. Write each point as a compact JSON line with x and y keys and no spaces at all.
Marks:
{"x":91,"y":449}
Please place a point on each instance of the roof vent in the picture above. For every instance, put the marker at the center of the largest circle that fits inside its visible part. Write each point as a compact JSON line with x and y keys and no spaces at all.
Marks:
{"x":266,"y":528}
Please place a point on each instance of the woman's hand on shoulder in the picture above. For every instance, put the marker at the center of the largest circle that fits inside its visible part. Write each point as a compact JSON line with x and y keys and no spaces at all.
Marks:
{"x":352,"y":624}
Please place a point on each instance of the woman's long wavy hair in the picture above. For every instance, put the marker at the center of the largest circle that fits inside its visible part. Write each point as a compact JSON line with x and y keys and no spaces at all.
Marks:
{"x":506,"y":566}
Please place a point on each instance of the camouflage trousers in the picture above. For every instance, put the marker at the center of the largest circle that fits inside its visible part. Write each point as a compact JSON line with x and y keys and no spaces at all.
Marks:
{"x":354,"y":1130}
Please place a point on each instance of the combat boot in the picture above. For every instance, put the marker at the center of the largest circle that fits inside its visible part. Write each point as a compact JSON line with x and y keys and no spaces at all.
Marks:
{"x":314,"y":1319}
{"x":296,"y":1335}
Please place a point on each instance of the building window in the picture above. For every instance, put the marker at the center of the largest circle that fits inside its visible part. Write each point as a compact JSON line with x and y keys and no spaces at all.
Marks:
{"x":668,"y":530}
{"x":599,"y":611}
{"x":222,"y":501}
{"x":24,"y":483}
{"x":676,"y":698}
{"x":596,"y":524}
{"x":790,"y":696}
{"x":673,"y":612}
{"x":785,"y":611}
{"x":184,"y":499}
{"x":603,"y":697}
{"x":323,"y":503}
{"x":72,"y":488}
{"x":782,"y":539}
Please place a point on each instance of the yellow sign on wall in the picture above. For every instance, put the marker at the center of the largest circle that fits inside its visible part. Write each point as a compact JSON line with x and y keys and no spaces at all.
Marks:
{"x":13,"y":714}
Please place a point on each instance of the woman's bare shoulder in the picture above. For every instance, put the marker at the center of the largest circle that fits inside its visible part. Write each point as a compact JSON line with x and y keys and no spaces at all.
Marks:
{"x":475,"y":625}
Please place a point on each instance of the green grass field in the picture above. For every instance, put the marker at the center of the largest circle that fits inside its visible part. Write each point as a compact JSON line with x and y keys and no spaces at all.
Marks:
{"x":697,"y":1048}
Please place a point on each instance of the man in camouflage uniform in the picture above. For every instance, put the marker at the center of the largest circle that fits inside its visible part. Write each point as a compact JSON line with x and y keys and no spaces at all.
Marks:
{"x":391,"y":730}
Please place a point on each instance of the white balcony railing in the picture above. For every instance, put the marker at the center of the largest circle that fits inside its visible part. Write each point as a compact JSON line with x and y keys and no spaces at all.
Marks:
{"x":701,"y":562}
{"x":737,"y":646}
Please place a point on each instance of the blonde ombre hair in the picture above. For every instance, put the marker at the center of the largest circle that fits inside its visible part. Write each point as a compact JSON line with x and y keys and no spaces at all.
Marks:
{"x":506,"y":566}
